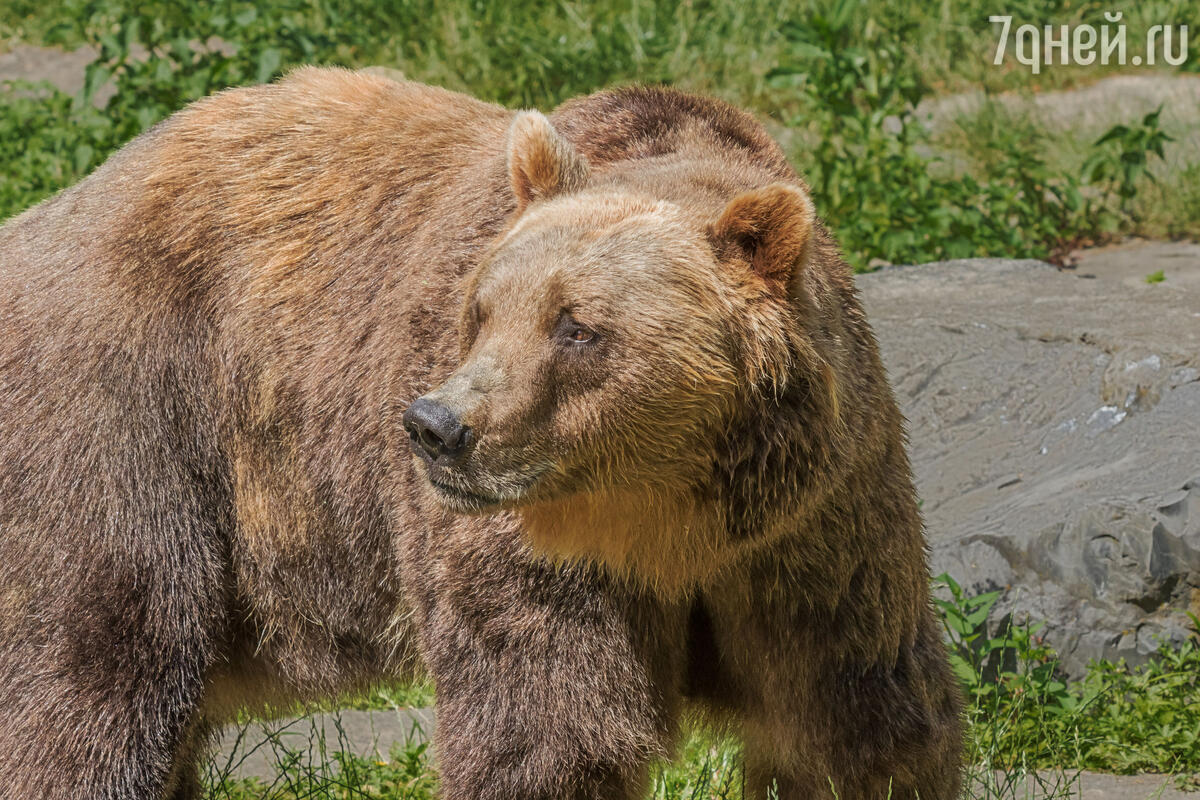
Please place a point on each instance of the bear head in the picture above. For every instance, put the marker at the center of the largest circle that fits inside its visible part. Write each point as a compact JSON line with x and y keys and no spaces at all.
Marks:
{"x":610,"y":340}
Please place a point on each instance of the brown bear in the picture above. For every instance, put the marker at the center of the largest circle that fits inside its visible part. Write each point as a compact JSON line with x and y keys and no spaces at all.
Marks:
{"x":324,"y":382}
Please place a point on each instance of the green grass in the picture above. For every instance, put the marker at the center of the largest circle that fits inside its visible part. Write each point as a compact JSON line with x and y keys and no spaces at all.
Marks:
{"x":1023,"y":715}
{"x":414,"y":695}
{"x":1027,"y":727}
{"x":836,"y":80}
{"x":322,"y":766}
{"x":838,"y":83}
{"x":709,"y":767}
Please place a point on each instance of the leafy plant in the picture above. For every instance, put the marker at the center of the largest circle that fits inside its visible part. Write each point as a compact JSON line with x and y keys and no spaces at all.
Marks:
{"x":891,"y":198}
{"x":319,"y":763}
{"x":156,"y":56}
{"x":161,"y":55}
{"x":843,"y":73}
{"x":45,"y":143}
{"x":1024,"y":716}
{"x":1124,"y":165}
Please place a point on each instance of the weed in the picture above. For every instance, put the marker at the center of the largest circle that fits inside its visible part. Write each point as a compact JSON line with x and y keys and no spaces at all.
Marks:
{"x":1123,"y":167}
{"x":1030,"y":731}
{"x":318,"y":760}
{"x":845,"y":75}
{"x":1024,"y":715}
{"x":876,"y":180}
{"x":709,"y":766}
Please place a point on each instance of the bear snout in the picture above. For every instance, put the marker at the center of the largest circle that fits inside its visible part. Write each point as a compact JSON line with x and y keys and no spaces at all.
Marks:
{"x":436,"y":432}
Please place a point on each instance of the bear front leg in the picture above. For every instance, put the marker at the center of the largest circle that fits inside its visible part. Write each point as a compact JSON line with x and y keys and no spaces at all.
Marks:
{"x":552,"y":683}
{"x":828,"y":711}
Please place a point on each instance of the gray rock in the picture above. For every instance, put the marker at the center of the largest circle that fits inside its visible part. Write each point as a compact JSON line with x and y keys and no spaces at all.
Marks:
{"x":1055,"y":425}
{"x":1068,"y":785}
{"x":64,"y":70}
{"x":263,"y":749}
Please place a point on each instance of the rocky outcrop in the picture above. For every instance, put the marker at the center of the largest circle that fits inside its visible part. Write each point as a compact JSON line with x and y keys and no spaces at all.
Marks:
{"x":1055,"y":425}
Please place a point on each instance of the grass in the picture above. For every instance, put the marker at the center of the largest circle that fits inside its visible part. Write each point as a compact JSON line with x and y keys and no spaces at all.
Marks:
{"x":838,"y":81}
{"x":319,"y":762}
{"x":1025,"y":716}
{"x":414,"y":695}
{"x":1028,"y":728}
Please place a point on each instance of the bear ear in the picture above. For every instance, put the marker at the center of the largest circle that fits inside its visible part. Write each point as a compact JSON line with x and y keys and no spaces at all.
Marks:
{"x":769,"y":227}
{"x":541,"y":163}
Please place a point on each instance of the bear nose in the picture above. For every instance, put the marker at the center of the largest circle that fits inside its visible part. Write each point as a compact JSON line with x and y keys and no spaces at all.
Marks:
{"x":436,"y":431}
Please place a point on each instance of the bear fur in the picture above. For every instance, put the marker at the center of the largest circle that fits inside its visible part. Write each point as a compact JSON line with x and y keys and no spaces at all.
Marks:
{"x":686,"y":486}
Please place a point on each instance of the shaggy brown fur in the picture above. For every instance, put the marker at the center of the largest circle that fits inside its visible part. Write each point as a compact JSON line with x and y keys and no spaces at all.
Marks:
{"x":684,"y":480}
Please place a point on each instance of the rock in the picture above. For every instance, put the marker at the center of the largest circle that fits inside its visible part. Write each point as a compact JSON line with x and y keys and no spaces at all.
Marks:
{"x":1049,"y":785}
{"x":263,"y":748}
{"x":1084,"y":113}
{"x":64,"y":70}
{"x":310,"y":744}
{"x":1054,"y":417}
{"x":1090,"y":109}
{"x":67,"y":70}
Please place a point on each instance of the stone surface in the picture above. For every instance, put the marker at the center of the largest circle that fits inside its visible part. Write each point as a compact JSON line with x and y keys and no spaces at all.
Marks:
{"x":1084,"y":786}
{"x":261,"y":749}
{"x":63,"y":69}
{"x":1054,"y":417}
{"x":1092,"y":107}
{"x":1086,"y":112}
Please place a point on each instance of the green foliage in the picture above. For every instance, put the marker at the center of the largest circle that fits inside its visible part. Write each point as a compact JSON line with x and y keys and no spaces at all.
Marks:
{"x":1178,"y":205}
{"x":1156,"y":277}
{"x":1123,"y":166}
{"x":1145,"y":719}
{"x":890,"y":198}
{"x":845,"y":74}
{"x":418,"y":694}
{"x":1023,"y":715}
{"x":327,"y":770}
{"x":156,"y":56}
{"x":45,"y":144}
{"x":708,"y":767}
{"x":152,"y":59}
{"x":162,"y":55}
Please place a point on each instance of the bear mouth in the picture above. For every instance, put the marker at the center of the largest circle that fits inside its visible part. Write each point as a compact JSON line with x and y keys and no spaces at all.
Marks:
{"x":462,"y":493}
{"x":460,"y":499}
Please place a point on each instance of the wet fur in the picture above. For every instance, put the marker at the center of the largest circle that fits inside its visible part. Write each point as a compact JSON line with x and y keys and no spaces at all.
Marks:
{"x":208,"y":500}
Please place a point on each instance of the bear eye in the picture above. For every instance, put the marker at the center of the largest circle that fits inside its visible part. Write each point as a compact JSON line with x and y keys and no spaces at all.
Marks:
{"x":573,"y":332}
